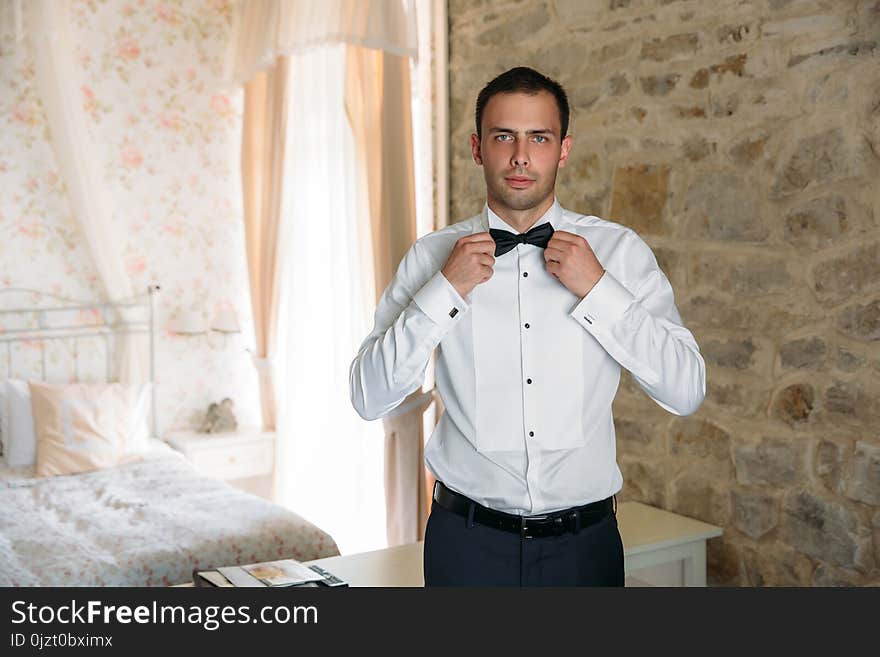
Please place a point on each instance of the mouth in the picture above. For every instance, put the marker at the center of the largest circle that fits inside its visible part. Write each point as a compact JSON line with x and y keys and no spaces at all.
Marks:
{"x":519,"y":182}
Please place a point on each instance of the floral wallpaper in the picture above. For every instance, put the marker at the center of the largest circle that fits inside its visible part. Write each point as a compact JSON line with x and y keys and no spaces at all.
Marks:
{"x":168,"y":132}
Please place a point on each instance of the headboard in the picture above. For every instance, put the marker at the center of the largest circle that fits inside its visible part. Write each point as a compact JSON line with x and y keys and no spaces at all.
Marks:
{"x":31,"y":319}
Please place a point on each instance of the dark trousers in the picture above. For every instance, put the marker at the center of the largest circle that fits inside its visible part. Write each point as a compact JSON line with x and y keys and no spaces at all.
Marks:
{"x":463,"y":553}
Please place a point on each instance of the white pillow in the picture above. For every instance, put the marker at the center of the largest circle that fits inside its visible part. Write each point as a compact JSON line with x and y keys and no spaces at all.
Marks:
{"x":19,"y":438}
{"x":17,"y":422}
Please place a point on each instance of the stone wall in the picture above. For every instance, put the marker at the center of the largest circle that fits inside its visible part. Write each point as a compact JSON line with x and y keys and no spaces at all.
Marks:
{"x":741,"y":140}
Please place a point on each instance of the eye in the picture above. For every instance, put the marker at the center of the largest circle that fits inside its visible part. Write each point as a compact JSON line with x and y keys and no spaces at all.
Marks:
{"x":540,"y":139}
{"x":503,"y":137}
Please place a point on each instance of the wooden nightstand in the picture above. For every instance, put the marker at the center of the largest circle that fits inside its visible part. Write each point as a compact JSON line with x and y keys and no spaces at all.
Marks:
{"x":245,"y":458}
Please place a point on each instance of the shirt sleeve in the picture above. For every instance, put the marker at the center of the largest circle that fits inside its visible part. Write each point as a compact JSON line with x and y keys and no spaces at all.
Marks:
{"x":417,"y":309}
{"x":643,"y":331}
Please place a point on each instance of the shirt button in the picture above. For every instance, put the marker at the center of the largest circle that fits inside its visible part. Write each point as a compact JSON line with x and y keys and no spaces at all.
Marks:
{"x":527,"y":325}
{"x":528,"y":380}
{"x":525,"y":274}
{"x":531,"y":433}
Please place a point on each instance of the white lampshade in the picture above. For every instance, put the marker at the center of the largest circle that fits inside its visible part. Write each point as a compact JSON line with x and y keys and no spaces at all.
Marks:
{"x":188,"y":322}
{"x":225,"y":321}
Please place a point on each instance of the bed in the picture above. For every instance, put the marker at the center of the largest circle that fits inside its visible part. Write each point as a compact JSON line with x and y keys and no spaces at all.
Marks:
{"x":145,"y":522}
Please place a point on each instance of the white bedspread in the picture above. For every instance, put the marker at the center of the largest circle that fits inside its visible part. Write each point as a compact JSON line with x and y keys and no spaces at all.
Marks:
{"x":143,"y":524}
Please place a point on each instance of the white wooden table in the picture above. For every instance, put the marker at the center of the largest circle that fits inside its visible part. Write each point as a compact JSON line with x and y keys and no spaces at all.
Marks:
{"x":660,"y":549}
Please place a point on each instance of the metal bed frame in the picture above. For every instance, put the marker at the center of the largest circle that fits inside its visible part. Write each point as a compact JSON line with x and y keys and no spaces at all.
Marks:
{"x":113,"y":317}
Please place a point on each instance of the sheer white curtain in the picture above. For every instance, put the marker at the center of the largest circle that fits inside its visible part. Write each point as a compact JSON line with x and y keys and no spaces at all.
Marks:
{"x":57,"y":77}
{"x":332,"y":461}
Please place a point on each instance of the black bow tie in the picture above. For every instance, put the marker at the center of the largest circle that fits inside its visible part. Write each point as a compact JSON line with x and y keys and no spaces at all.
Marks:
{"x":505,"y":240}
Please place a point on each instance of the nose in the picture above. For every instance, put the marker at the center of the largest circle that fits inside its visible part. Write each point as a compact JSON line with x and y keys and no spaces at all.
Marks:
{"x":520,"y":155}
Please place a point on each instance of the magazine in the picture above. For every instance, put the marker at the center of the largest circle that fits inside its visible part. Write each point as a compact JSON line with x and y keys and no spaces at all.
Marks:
{"x":286,"y":572}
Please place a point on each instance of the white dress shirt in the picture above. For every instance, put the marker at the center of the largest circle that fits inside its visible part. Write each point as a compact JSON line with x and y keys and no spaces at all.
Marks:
{"x":527,"y":371}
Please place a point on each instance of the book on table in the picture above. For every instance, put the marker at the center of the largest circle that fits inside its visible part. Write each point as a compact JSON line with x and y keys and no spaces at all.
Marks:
{"x":280,"y":573}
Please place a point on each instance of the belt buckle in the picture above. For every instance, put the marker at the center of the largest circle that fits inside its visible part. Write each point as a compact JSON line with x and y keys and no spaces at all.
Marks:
{"x":524,"y":521}
{"x":558,"y":525}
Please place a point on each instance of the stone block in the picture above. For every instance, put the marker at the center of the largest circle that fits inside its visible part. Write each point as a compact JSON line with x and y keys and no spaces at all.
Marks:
{"x":694,"y":437}
{"x":677,"y":46}
{"x":670,"y":263}
{"x":722,"y":206}
{"x":772,"y":462}
{"x":776,"y":565}
{"x":516,"y":29}
{"x":794,"y":404}
{"x":733,"y":354}
{"x":734,"y":65}
{"x":638,"y":437}
{"x":692,"y":112}
{"x":852,"y":402}
{"x":722,"y":562}
{"x":848,"y":361}
{"x":825,"y":529}
{"x":816,"y":159}
{"x":748,"y":151}
{"x":847,"y":274}
{"x":643,"y":483}
{"x":638,"y":197}
{"x":659,"y":85}
{"x":861,"y":321}
{"x":700,"y":79}
{"x":829,"y":464}
{"x":742,"y":400}
{"x":863,"y":481}
{"x":864,"y":48}
{"x":701,"y":498}
{"x":818,"y":223}
{"x":830,"y":89}
{"x":617,"y":85}
{"x":827,"y":576}
{"x":754,"y":513}
{"x":611,"y":51}
{"x":804,"y":353}
{"x":697,"y":148}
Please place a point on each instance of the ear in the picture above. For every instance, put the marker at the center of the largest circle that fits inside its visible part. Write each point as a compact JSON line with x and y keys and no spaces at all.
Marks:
{"x":566,"y":147}
{"x":475,"y":149}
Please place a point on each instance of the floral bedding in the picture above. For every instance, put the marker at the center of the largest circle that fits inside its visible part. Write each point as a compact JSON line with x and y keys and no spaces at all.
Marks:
{"x":148,"y":523}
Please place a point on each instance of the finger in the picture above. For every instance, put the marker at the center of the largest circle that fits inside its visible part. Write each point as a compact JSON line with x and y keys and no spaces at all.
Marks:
{"x":483,"y":248}
{"x":563,"y":237}
{"x":477,"y":237}
{"x":552,"y":253}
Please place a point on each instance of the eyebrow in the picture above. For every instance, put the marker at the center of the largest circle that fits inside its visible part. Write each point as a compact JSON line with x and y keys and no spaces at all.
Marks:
{"x":540,"y":131}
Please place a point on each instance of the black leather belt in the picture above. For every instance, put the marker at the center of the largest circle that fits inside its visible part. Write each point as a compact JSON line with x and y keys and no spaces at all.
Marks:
{"x":550,"y":524}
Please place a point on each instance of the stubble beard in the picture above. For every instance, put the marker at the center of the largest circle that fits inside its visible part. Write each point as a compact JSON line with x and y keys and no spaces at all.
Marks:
{"x":520,"y":199}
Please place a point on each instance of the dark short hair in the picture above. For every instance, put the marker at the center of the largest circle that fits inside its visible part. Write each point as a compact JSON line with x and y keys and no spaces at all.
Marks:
{"x":524,"y":80}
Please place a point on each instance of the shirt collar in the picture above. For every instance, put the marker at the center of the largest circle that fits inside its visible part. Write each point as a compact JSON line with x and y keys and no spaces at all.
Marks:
{"x":553,"y":216}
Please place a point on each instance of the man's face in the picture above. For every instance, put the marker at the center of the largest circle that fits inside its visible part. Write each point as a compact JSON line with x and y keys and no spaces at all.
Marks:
{"x":520,"y":150}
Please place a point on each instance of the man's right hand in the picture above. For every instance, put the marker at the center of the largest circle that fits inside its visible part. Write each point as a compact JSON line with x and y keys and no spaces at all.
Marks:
{"x":470,"y":262}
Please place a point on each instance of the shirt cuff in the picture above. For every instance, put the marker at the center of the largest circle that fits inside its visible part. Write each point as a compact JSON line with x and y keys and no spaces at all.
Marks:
{"x":604,"y":305}
{"x":440,"y":301}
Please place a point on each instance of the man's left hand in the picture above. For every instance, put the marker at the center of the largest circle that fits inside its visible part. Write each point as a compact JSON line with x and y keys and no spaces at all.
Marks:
{"x":570,"y":259}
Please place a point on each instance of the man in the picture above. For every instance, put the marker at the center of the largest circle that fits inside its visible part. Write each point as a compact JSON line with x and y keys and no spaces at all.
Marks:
{"x":533,"y":309}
